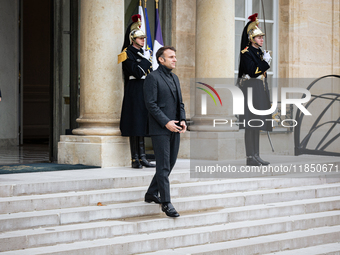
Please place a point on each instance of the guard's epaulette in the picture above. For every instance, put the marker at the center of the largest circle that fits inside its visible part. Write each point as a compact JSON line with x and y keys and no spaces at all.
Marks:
{"x":122,"y":56}
{"x":244,"y":50}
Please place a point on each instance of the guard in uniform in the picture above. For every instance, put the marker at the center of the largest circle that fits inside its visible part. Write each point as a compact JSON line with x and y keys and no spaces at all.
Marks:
{"x":252,"y":74}
{"x":134,"y":115}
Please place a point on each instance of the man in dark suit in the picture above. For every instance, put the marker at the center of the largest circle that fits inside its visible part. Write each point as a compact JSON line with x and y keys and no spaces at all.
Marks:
{"x":163,"y":99}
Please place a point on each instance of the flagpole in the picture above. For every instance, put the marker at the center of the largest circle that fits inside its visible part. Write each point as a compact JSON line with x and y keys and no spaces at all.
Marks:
{"x":156,"y":4}
{"x":145,"y":3}
{"x":140,"y":2}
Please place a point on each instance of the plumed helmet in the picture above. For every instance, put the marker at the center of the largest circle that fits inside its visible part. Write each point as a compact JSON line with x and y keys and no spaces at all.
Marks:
{"x":249,"y":32}
{"x":252,"y":29}
{"x":135,"y":31}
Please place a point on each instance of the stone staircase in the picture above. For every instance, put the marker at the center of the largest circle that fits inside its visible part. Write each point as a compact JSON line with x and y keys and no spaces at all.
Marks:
{"x":58,"y":213}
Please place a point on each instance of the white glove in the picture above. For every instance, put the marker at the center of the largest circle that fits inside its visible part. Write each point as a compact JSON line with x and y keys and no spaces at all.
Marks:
{"x":267,"y":57}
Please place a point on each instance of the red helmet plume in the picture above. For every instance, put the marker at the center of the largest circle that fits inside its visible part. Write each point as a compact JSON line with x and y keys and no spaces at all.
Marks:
{"x":253,"y":17}
{"x":136,"y":17}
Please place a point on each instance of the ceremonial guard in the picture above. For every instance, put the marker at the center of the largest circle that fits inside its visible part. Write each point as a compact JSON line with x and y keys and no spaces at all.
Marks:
{"x":252,"y":74}
{"x":134,"y":115}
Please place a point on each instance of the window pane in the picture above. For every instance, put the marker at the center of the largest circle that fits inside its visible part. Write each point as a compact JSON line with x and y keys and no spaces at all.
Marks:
{"x":268,"y":39}
{"x":256,"y":8}
{"x":239,"y":25}
{"x":239,"y":8}
{"x":268,"y":8}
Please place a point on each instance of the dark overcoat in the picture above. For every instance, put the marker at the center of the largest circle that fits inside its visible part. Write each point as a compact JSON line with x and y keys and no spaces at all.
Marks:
{"x":162,"y":102}
{"x":133,"y":120}
{"x":253,"y":65}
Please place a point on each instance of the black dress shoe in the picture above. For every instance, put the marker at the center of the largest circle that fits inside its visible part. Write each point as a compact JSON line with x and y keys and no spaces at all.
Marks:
{"x":251,"y":161}
{"x":145,"y":162}
{"x":152,"y":198}
{"x":265,"y":163}
{"x":169,"y":210}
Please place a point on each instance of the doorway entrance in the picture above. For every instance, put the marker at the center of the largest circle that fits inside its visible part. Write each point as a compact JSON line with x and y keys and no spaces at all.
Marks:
{"x":36,"y":69}
{"x":38,"y":74}
{"x":50,"y":71}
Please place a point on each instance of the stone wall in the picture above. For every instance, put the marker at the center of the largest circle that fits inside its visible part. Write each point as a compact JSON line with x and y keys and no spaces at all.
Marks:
{"x":309,"y":48}
{"x":309,"y":38}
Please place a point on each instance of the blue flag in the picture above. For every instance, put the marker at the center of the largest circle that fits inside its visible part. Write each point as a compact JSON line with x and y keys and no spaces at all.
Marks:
{"x":148,"y":33}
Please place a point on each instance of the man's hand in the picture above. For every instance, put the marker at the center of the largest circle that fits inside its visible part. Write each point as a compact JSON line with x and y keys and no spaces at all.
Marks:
{"x":171,"y":125}
{"x":184,"y":126}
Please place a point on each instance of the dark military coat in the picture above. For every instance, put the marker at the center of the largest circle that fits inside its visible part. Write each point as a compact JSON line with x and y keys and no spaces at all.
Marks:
{"x":134,"y":115}
{"x":252,"y":63}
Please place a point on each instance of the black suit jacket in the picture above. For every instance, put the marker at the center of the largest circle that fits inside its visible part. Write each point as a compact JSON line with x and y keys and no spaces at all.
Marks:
{"x":160,"y":100}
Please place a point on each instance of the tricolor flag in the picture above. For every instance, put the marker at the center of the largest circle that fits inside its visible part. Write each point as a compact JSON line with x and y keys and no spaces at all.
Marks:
{"x":158,"y":43}
{"x":148,"y":35}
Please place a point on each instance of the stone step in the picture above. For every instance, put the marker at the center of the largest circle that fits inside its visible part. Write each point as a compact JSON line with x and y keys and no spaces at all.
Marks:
{"x":80,"y":180}
{"x":22,"y":239}
{"x":159,"y":222}
{"x":107,"y":178}
{"x":272,"y":244}
{"x":251,"y":237}
{"x":108,"y":196}
{"x":64,"y":220}
{"x":237,"y":199}
{"x":25,"y":220}
{"x":329,"y":249}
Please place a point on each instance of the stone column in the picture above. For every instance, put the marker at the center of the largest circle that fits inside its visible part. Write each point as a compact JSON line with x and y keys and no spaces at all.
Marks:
{"x":183,"y":25}
{"x":97,"y":141}
{"x":215,"y":49}
{"x":215,"y":38}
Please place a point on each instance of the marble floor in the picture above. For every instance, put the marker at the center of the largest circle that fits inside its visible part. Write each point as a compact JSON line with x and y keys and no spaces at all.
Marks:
{"x":24,"y":154}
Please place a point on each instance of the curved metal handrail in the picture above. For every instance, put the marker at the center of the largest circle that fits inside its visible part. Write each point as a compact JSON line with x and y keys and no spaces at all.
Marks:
{"x":301,"y":147}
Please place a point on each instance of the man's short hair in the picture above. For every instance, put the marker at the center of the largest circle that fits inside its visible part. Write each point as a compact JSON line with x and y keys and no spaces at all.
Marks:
{"x":160,"y":52}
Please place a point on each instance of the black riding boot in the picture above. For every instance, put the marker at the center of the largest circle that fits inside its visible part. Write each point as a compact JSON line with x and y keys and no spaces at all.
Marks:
{"x":134,"y":152}
{"x":142,"y":154}
{"x":250,"y":148}
{"x":257,"y":148}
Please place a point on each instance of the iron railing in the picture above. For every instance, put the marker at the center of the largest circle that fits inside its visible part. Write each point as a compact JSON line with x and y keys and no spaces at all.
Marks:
{"x":320,"y":149}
